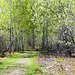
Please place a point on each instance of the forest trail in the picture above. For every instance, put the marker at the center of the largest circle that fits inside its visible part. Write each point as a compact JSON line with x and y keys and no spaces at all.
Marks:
{"x":17,"y":67}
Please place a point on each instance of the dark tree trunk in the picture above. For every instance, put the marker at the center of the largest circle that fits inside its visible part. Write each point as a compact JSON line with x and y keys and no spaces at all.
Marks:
{"x":22,"y":46}
{"x":12,"y":41}
{"x":10,"y":27}
{"x":16,"y":45}
{"x":43,"y":38}
{"x":47,"y":45}
{"x":33,"y":39}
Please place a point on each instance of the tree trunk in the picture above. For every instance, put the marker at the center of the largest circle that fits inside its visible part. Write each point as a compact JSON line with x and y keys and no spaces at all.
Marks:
{"x":16,"y":40}
{"x":12,"y":41}
{"x":22,"y":46}
{"x":43,"y":38}
{"x":33,"y":39}
{"x":10,"y":27}
{"x":47,"y":39}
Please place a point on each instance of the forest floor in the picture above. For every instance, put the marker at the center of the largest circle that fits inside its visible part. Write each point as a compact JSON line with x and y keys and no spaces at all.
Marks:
{"x":52,"y":65}
{"x":36,"y":63}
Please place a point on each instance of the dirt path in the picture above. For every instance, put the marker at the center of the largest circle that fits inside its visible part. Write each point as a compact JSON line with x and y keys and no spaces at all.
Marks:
{"x":16,"y":68}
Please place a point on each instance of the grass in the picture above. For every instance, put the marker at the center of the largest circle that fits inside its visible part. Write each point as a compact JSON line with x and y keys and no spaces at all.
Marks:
{"x":8,"y":60}
{"x":32,"y":68}
{"x":51,"y":64}
{"x":1,"y":61}
{"x":60,"y":60}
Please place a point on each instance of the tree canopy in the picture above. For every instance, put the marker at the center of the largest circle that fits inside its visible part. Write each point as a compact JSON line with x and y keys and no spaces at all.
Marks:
{"x":43,"y":23}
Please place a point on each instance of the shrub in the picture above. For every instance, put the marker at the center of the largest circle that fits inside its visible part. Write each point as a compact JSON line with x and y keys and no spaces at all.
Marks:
{"x":4,"y":41}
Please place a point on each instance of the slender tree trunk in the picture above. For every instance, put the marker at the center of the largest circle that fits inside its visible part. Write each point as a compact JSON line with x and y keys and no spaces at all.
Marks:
{"x":47,"y":45}
{"x":12,"y":41}
{"x":10,"y":28}
{"x":18,"y":43}
{"x":16,"y":40}
{"x":43,"y":38}
{"x":22,"y":46}
{"x":33,"y":39}
{"x":51,"y":47}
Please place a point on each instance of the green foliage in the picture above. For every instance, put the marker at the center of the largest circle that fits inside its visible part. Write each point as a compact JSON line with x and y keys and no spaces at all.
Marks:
{"x":28,"y":15}
{"x":60,"y":60}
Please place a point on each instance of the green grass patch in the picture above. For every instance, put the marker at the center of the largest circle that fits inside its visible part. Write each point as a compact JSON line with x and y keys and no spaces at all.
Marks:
{"x":32,"y":68}
{"x":19,"y":55}
{"x":1,"y":61}
{"x":23,"y":52}
{"x":7,"y":61}
{"x":59,"y":60}
{"x":51,"y":64}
